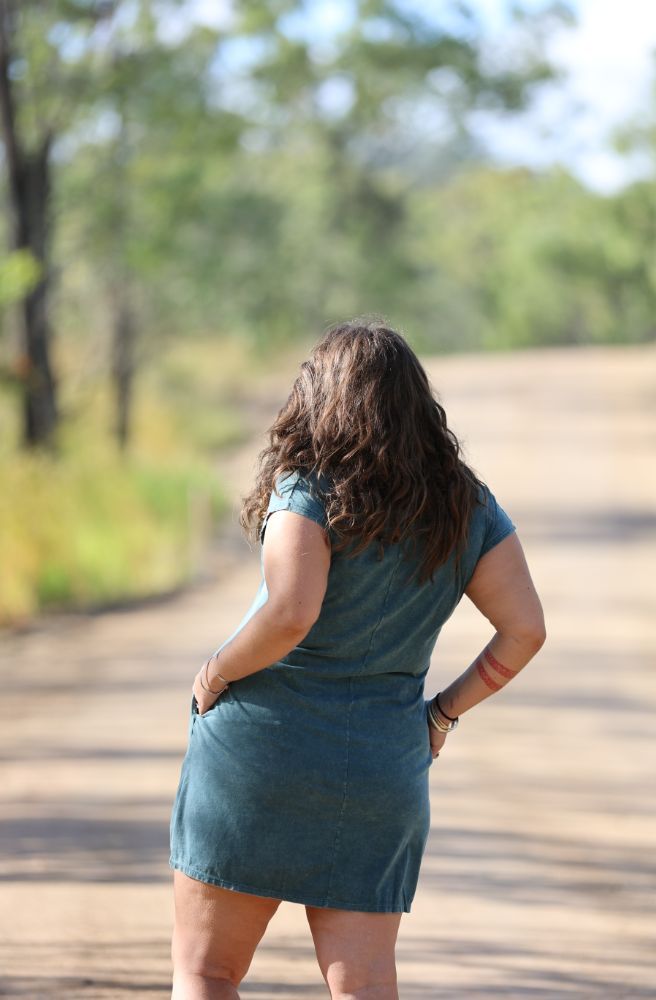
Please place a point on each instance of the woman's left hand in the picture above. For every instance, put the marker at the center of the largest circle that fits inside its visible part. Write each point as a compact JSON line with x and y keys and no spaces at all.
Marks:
{"x":204,"y":699}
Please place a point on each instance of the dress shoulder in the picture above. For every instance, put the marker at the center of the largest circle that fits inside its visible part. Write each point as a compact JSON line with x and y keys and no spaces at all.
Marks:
{"x":299,"y":493}
{"x":497,"y":524}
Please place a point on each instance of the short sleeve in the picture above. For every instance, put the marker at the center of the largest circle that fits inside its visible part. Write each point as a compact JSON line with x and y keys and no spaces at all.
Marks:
{"x":298,"y":494}
{"x":498,"y":524}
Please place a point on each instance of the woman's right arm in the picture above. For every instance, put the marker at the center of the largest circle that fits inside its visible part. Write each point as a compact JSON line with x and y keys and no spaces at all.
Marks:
{"x":502,"y":590}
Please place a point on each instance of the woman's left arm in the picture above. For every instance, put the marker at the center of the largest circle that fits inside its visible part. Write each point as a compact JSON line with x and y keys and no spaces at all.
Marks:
{"x":296,"y":560}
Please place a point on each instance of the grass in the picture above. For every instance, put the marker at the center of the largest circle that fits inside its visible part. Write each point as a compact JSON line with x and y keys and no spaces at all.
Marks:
{"x":89,"y":526}
{"x":79,"y":533}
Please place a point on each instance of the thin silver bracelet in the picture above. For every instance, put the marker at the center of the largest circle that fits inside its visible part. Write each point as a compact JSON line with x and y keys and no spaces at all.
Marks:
{"x":207,"y":678}
{"x":438,"y":719}
{"x":437,"y":723}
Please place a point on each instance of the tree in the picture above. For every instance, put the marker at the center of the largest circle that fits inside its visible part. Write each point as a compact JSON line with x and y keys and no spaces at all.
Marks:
{"x":28,"y":174}
{"x":146,"y":170}
{"x":65,"y":66}
{"x":269,"y":195}
{"x":374,"y":110}
{"x":38,"y":99}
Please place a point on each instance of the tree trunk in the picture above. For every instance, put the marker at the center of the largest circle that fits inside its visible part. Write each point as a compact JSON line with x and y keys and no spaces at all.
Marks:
{"x":123,"y":366}
{"x":28,"y":175}
{"x":39,"y":401}
{"x":124,"y":324}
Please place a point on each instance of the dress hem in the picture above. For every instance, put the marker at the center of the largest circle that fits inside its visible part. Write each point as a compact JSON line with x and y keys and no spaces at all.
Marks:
{"x":204,"y":876}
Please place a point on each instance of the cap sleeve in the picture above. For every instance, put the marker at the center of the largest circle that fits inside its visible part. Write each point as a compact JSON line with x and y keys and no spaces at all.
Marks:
{"x":498,"y":524}
{"x":298,"y":494}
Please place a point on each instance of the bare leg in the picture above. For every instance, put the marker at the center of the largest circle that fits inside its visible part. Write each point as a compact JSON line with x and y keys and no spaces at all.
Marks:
{"x":355,"y":952}
{"x":214,"y":939}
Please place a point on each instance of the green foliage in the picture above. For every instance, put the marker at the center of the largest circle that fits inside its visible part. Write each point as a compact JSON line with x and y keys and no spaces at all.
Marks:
{"x":86,"y":532}
{"x":247,"y":205}
{"x":520,"y":260}
{"x":232,"y":196}
{"x":19,"y":272}
{"x":239,"y":189}
{"x":88,"y":526}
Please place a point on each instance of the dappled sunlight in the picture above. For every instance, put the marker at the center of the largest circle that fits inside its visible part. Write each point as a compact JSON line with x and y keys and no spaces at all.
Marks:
{"x":536,"y":879}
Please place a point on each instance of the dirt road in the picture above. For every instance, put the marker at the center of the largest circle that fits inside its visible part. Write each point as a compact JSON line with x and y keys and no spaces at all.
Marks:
{"x":539,"y":878}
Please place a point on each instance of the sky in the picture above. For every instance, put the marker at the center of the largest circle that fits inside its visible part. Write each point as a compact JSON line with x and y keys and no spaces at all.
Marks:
{"x":610,"y":62}
{"x":610,"y":65}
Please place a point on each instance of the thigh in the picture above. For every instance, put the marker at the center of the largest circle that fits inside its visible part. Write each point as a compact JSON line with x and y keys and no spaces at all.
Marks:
{"x":217,"y":930}
{"x":356,"y":950}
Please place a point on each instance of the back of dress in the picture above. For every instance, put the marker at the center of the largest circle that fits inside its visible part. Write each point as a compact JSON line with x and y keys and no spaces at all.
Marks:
{"x":308,"y":780}
{"x":375,"y":618}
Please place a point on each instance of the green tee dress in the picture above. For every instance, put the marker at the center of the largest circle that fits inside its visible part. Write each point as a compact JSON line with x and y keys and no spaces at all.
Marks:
{"x":308,"y":781}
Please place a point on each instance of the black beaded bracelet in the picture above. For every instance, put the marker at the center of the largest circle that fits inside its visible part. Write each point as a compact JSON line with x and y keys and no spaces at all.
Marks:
{"x":440,"y":710}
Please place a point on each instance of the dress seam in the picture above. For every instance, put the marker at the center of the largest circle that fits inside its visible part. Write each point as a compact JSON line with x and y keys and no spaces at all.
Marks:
{"x":340,"y":819}
{"x":382,"y":613}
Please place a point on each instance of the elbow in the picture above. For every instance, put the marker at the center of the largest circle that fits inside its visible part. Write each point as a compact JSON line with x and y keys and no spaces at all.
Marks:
{"x":531,"y":634}
{"x":528,"y":632}
{"x":294,"y":622}
{"x":538,"y":639}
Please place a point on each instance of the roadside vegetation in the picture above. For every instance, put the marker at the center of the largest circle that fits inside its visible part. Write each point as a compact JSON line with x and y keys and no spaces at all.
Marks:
{"x":186,"y":203}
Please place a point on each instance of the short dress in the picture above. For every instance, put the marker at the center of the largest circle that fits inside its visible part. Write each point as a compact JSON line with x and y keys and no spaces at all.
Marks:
{"x":308,"y":781}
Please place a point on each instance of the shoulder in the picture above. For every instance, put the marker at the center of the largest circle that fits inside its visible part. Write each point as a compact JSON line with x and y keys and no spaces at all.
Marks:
{"x":300,"y":492}
{"x":490,"y":522}
{"x":299,"y":484}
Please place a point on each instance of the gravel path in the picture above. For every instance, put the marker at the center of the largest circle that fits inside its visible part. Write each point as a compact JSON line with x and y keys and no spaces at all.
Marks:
{"x":538,"y":880}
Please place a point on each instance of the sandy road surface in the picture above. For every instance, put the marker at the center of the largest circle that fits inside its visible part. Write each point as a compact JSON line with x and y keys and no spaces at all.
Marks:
{"x":539,"y":879}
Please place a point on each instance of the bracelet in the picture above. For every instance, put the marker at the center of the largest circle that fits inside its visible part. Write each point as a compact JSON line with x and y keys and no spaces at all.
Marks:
{"x":439,"y":708}
{"x":438,"y":723}
{"x":434,"y":723}
{"x":207,"y":687}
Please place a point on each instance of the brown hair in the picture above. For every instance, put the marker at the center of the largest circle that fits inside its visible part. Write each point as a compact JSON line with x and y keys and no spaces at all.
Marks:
{"x":362,"y":414}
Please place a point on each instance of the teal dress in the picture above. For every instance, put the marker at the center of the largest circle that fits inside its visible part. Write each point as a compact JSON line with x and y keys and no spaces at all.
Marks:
{"x":308,"y":781}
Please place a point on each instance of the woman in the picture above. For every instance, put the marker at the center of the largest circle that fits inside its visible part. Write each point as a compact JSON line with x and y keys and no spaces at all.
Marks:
{"x":306,"y":773}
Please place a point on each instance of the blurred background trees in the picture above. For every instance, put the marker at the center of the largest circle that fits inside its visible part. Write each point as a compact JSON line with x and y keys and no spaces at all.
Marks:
{"x":185,"y":203}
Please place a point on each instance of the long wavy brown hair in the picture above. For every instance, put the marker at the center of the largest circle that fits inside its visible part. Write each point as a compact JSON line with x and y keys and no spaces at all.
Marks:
{"x":363,"y":416}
